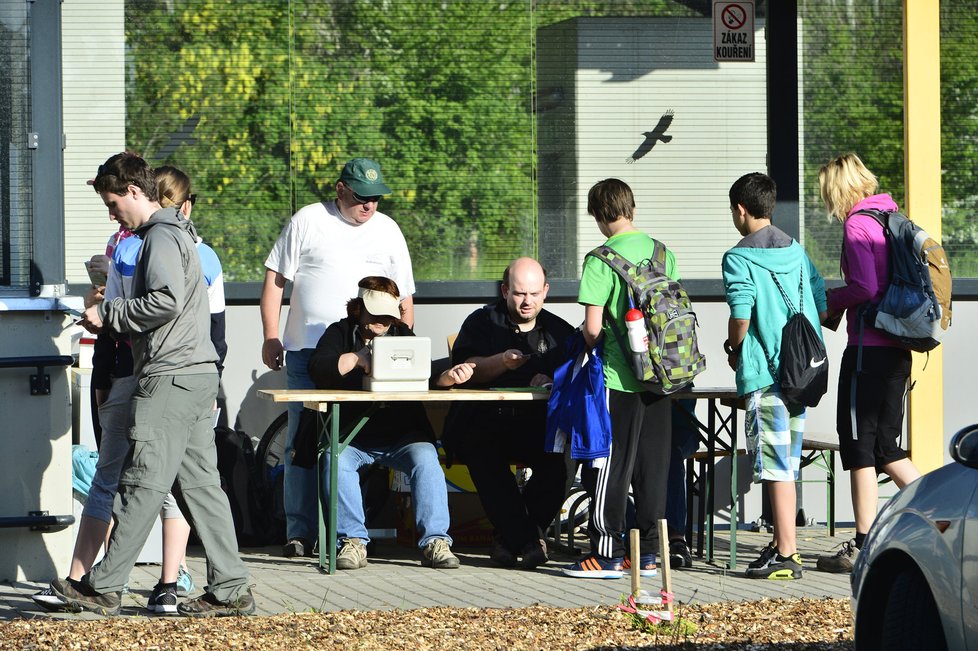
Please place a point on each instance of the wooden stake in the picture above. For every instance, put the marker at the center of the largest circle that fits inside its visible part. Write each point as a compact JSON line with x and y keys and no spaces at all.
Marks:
{"x":663,"y":561}
{"x":634,"y":536}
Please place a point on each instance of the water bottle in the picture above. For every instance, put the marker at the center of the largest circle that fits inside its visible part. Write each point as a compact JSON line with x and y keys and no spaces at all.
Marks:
{"x":638,"y":339}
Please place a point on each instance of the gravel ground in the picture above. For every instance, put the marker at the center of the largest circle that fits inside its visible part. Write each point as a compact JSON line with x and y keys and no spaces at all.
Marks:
{"x":781,"y":625}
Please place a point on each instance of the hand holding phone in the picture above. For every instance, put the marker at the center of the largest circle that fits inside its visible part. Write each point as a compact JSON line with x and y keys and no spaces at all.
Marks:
{"x":96,"y":274}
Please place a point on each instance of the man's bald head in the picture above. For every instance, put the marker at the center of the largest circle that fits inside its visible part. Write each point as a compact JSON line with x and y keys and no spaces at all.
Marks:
{"x":525,"y":290}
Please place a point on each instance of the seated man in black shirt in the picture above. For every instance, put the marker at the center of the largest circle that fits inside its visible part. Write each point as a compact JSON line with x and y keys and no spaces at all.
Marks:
{"x":513,"y":342}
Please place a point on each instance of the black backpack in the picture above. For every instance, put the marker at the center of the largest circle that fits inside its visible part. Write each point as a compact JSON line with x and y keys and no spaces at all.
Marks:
{"x":803,"y":369}
{"x":239,"y":479}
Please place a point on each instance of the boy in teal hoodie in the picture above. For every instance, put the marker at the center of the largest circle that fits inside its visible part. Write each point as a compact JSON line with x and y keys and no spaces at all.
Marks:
{"x":758,"y":312}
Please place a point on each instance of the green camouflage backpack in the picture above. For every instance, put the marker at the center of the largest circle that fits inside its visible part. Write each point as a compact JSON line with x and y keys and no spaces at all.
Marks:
{"x":673,"y":358}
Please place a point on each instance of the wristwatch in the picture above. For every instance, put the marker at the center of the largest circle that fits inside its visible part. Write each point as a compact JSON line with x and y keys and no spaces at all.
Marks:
{"x":730,"y":350}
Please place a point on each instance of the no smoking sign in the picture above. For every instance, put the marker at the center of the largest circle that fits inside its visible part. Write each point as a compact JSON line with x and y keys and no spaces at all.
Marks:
{"x":733,"y":30}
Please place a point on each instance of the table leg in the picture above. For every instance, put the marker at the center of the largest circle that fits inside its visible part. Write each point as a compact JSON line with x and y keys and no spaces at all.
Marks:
{"x":711,"y":416}
{"x":319,"y":494}
{"x":733,"y":489}
{"x":334,"y":465}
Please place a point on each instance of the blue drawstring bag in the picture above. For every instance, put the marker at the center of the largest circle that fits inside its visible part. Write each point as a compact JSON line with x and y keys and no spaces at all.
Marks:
{"x":578,"y":410}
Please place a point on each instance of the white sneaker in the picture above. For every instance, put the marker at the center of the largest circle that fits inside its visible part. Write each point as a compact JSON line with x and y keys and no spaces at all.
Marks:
{"x":48,"y":600}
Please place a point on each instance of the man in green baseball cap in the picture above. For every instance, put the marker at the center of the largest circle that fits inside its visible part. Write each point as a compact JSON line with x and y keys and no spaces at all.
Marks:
{"x":359,"y":190}
{"x":324,"y":251}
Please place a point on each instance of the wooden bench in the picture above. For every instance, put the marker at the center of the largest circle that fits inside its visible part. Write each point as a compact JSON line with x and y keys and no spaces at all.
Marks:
{"x":814,"y":451}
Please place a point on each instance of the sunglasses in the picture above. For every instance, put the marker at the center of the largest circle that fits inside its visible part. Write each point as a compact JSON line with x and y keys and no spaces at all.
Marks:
{"x":358,"y":199}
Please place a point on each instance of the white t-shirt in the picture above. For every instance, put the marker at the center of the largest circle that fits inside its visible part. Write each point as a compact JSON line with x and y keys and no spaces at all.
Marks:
{"x":325,"y":257}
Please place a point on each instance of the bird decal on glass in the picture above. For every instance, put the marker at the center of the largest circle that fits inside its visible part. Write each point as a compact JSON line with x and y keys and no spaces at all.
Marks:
{"x":658,"y":134}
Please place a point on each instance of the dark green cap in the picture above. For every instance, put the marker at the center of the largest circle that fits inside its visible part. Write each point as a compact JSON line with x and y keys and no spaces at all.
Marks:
{"x":362,"y":175}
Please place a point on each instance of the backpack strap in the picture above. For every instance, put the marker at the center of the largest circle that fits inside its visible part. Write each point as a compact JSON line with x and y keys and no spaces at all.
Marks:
{"x":623,"y":267}
{"x":791,"y":312}
{"x":801,"y":293}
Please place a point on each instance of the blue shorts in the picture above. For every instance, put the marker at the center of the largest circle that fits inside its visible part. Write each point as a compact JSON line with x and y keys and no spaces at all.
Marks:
{"x":774,"y":435}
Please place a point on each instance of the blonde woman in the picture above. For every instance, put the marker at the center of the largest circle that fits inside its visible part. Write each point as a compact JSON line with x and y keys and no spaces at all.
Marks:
{"x":875,"y":368}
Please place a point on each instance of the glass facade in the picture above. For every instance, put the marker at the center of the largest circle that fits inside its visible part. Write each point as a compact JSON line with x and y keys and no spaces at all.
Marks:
{"x":15,"y":142}
{"x":491,"y":120}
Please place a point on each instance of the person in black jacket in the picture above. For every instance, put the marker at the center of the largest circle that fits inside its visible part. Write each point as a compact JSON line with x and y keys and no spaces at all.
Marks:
{"x":398,"y":435}
{"x":513,"y":342}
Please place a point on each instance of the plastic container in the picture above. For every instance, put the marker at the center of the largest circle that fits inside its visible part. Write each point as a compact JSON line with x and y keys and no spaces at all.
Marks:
{"x":638,"y":339}
{"x":86,"y":350}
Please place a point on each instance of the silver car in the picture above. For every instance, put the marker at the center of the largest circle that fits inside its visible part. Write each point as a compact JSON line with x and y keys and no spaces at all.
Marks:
{"x":915,"y":581}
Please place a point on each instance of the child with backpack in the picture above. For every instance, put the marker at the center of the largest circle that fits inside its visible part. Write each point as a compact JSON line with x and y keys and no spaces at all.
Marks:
{"x":641,"y":423}
{"x":767,"y":277}
{"x":869,"y":414}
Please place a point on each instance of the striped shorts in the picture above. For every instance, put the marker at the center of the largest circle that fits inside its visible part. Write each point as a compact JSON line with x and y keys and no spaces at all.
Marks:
{"x":774,"y":435}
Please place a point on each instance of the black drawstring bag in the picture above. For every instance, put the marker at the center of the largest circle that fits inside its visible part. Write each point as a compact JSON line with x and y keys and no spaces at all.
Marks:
{"x":804,"y":363}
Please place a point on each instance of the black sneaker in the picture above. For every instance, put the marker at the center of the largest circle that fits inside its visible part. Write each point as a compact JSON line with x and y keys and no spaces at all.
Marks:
{"x":79,"y":596}
{"x":501,"y":555}
{"x":163,"y":600}
{"x":775,"y":566}
{"x":297,"y":547}
{"x":207,"y":605}
{"x":679,"y":555}
{"x":766,"y":555}
{"x":534,"y":554}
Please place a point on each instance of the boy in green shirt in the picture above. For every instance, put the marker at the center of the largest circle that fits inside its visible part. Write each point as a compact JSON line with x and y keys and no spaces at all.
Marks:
{"x":641,"y":422}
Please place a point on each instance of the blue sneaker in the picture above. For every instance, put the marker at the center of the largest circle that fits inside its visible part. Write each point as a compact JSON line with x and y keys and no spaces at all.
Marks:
{"x":596,"y":567}
{"x":185,"y":583}
{"x":646,"y":565}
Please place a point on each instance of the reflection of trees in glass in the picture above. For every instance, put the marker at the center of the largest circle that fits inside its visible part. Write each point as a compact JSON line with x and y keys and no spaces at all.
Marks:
{"x":959,"y":135}
{"x":439,"y":92}
{"x":216,"y":73}
{"x":852,"y":71}
{"x":853,"y":101}
{"x":262,"y":102}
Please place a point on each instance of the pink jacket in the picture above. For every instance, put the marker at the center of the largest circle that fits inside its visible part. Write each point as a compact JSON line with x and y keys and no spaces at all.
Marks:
{"x":865,"y":269}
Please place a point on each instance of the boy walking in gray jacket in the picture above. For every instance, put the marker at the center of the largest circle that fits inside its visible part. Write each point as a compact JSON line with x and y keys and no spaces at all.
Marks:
{"x":172,"y":436}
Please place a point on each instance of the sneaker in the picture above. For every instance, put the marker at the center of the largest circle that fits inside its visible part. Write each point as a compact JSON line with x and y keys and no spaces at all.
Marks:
{"x":163,"y":599}
{"x":438,"y":554}
{"x":48,"y":600}
{"x":840,"y":562}
{"x":296,"y":547}
{"x":185,"y":583}
{"x":125,"y":588}
{"x":207,"y":605}
{"x":767,"y":554}
{"x":646,"y":565}
{"x":534,"y":554}
{"x":501,"y":556}
{"x":352,"y":555}
{"x":595,"y":567}
{"x":79,"y":596}
{"x":775,"y":566}
{"x":679,"y":554}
